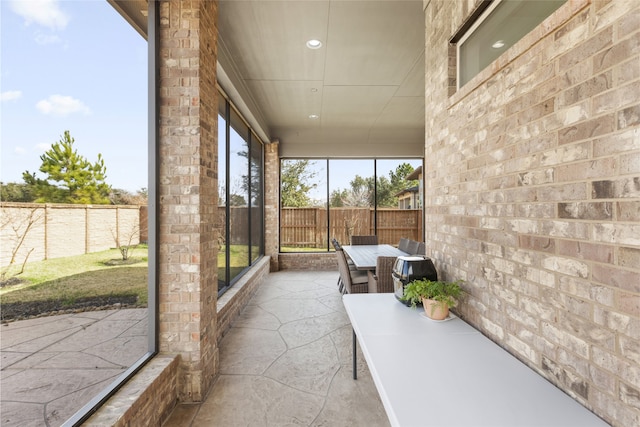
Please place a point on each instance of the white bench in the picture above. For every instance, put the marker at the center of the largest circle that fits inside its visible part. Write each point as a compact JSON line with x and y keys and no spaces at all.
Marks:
{"x":447,"y":373}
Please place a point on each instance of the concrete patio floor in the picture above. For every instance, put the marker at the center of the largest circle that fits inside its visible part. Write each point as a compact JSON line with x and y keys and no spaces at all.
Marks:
{"x":287,"y":362}
{"x":52,"y":366}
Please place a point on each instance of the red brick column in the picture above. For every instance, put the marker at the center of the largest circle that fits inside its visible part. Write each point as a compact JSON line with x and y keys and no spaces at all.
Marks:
{"x":188,"y":191}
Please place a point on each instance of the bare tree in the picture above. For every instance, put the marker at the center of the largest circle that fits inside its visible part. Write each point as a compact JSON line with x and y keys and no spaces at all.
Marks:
{"x":357,"y":197}
{"x":20,"y":227}
{"x":127,"y":249}
{"x":350,"y":226}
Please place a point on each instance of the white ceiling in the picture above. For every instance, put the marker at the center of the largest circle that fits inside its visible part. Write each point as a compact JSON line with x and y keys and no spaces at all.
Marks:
{"x":366,"y":83}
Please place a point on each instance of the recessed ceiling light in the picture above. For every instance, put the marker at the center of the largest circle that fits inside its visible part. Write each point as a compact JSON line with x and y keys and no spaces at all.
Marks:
{"x":314,"y":44}
{"x":314,"y":116}
{"x":498,"y":44}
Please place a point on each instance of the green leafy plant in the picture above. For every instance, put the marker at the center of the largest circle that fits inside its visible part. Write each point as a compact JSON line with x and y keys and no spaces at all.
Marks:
{"x":446,"y":292}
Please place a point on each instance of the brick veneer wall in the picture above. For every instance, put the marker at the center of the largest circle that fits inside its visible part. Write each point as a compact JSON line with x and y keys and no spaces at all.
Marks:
{"x":188,"y":167}
{"x":532,"y":184}
{"x":308,"y":261}
{"x":146,"y":400}
{"x":272,"y":203}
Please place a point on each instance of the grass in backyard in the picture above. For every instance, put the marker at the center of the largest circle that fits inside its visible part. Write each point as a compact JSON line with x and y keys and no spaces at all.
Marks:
{"x":238,"y":256}
{"x":99,"y":276}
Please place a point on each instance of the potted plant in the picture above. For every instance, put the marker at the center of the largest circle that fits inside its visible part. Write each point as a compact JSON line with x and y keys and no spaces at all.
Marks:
{"x":436,"y":296}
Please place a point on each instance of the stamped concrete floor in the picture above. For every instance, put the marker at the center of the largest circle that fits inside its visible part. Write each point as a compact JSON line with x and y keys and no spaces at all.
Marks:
{"x":287,"y":362}
{"x":52,"y":366}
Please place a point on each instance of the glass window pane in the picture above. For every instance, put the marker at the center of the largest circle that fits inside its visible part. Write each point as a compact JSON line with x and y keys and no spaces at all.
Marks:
{"x":222,"y":196}
{"x":101,"y":256}
{"x":351,"y":200}
{"x":256,"y":198}
{"x":389,"y":206}
{"x":502,"y":28}
{"x":303,"y":215}
{"x":238,"y":196}
{"x":399,"y":200}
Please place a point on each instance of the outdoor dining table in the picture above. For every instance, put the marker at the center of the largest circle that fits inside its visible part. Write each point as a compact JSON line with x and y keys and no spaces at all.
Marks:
{"x":364,"y":257}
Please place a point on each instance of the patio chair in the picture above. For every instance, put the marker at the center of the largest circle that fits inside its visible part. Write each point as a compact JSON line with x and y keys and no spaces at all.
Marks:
{"x":412,"y":247}
{"x":364,"y":240}
{"x":403,"y":245}
{"x":381,"y":280}
{"x":354,"y":282}
{"x":352,"y":267}
{"x":422,"y":249}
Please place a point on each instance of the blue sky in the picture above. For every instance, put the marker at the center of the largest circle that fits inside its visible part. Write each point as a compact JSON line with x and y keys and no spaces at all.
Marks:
{"x":73,"y":65}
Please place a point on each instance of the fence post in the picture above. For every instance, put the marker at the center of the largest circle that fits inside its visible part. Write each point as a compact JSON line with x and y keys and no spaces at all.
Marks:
{"x":87,"y":224}
{"x":118,"y":226}
{"x":47,"y":207}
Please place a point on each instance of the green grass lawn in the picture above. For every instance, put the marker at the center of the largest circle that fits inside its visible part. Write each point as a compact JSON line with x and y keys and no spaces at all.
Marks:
{"x":69,"y":279}
{"x":70,"y":282}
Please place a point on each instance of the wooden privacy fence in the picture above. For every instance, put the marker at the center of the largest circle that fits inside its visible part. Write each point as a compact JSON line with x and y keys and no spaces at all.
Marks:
{"x":307,"y":227}
{"x":239,"y":226}
{"x":58,"y":230}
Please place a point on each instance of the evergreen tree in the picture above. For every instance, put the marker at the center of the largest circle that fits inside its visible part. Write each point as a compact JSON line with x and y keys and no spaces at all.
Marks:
{"x":74,"y":178}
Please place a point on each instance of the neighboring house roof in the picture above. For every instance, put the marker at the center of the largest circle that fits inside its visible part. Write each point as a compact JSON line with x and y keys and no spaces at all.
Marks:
{"x":409,"y":190}
{"x":415,"y":174}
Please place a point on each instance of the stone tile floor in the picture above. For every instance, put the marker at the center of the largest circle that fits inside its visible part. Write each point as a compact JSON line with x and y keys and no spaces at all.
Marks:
{"x":287,"y":362}
{"x":52,"y":366}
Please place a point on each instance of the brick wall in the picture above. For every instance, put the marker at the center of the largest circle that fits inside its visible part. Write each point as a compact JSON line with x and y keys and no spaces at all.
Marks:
{"x":187,"y":187}
{"x":532,"y":187}
{"x":60,"y":230}
{"x":272,"y":203}
{"x":234,"y":300}
{"x":308,"y":261}
{"x":145,"y":400}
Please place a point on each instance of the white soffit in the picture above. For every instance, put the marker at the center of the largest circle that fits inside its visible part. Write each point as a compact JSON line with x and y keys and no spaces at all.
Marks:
{"x":365,"y":84}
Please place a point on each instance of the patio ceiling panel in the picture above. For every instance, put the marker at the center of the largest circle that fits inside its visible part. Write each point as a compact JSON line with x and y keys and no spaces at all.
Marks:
{"x":267,"y":38}
{"x":283,"y":102}
{"x":373,"y":42}
{"x":366,"y":82}
{"x":369,"y":73}
{"x":354,"y":106}
{"x":413,"y":84}
{"x":401,"y":112}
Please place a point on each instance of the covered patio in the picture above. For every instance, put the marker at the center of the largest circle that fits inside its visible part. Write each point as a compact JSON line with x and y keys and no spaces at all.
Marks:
{"x":530,"y":189}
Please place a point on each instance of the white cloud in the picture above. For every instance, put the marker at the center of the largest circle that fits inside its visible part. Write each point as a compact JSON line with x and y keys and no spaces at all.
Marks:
{"x":43,"y":12}
{"x":44,"y":39}
{"x":19,"y":150}
{"x":59,"y":105}
{"x":10,"y":95}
